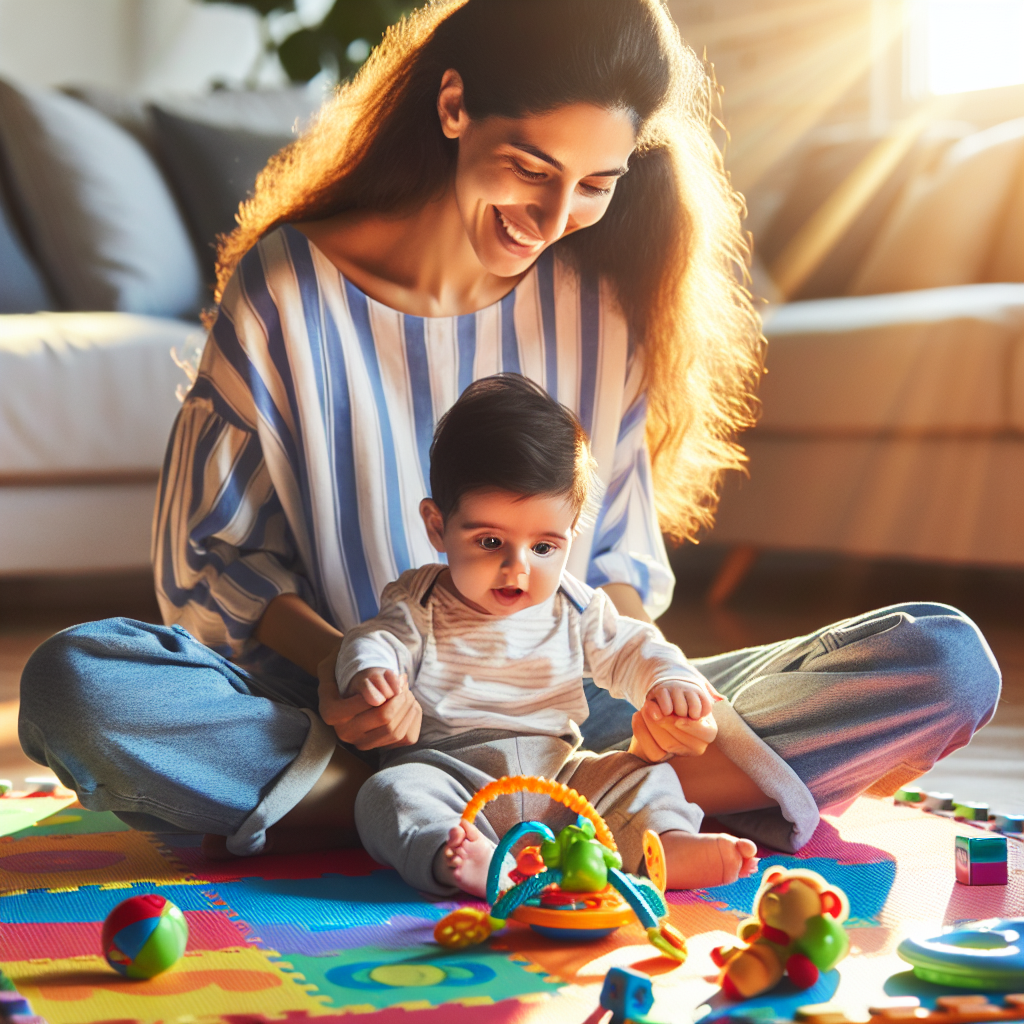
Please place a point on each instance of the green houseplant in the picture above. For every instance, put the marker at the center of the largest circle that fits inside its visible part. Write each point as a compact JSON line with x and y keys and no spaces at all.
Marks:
{"x":337,"y":44}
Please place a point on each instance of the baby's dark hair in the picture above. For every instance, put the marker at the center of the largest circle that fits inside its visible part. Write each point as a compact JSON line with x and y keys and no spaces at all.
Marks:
{"x":506,"y":433}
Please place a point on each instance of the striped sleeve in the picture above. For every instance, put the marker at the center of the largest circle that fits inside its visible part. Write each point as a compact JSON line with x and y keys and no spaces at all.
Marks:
{"x":628,"y":546}
{"x":222,"y":545}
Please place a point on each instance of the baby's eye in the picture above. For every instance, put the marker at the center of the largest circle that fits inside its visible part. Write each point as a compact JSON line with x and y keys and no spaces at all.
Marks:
{"x":490,"y":543}
{"x":543,"y":548}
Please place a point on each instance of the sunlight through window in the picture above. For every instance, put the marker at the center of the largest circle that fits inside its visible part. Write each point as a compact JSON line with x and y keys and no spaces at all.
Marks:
{"x":965,"y":45}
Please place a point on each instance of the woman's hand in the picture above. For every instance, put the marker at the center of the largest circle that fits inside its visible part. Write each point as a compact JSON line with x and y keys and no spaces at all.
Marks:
{"x":395,"y":723}
{"x":659,"y":739}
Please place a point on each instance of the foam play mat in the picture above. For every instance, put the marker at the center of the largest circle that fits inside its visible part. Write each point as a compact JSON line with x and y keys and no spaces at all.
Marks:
{"x":330,"y":935}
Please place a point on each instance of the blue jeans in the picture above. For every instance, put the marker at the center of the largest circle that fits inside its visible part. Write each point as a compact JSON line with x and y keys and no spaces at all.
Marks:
{"x":146,"y":722}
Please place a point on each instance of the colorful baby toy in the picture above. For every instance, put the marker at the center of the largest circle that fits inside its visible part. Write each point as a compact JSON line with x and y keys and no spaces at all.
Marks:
{"x":798,"y":931}
{"x":144,"y":935}
{"x":569,"y":887}
{"x":983,"y":954}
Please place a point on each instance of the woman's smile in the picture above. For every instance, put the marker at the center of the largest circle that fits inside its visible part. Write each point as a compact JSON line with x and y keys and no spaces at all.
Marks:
{"x":514,"y":238}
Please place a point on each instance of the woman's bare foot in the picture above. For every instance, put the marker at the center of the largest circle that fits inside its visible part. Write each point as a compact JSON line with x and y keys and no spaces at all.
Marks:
{"x":464,"y":859}
{"x":707,"y":859}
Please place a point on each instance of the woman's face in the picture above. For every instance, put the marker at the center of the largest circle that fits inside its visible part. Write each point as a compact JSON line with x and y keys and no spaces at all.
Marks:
{"x":523,"y":183}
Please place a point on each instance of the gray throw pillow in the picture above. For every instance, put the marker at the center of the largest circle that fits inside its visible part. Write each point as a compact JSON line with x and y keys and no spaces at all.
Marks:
{"x":98,"y":213}
{"x":22,"y":288}
{"x":212,"y":169}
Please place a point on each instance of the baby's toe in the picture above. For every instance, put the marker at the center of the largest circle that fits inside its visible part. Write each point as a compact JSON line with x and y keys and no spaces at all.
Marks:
{"x":749,"y":866}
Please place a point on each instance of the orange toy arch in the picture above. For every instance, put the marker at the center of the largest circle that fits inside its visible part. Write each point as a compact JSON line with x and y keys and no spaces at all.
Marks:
{"x":558,"y":792}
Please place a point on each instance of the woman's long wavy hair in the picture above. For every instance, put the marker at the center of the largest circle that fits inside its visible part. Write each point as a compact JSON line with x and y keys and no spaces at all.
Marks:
{"x":670,"y":243}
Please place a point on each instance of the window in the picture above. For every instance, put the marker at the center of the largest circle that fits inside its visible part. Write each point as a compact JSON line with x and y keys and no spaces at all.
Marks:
{"x":964,"y":45}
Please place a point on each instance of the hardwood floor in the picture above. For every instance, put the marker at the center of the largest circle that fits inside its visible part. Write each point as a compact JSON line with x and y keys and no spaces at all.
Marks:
{"x":783,"y":595}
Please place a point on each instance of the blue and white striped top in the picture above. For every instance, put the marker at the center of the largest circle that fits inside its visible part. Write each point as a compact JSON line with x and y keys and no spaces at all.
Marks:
{"x":301,"y":453}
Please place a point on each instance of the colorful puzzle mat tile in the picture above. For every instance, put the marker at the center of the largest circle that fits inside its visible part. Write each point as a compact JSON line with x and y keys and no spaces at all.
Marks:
{"x":325,"y":936}
{"x":55,"y":861}
{"x":370,"y":978}
{"x":83,"y":990}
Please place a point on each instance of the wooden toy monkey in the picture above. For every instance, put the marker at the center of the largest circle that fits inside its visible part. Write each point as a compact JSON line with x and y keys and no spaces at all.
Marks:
{"x":797,"y":931}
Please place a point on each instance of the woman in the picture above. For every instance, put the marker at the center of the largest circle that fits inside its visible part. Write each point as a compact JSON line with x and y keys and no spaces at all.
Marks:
{"x":507,"y":185}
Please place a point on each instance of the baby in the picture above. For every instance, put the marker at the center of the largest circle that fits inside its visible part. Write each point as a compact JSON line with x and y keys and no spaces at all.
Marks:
{"x":495,"y":645}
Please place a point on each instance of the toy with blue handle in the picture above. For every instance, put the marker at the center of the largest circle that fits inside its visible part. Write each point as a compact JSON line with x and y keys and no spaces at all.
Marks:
{"x":511,"y":837}
{"x":571,"y":885}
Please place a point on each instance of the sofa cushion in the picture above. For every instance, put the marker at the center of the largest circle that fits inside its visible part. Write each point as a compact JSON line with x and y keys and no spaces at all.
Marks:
{"x":22,"y":288}
{"x":946,"y":225}
{"x":212,"y":169}
{"x":87,"y":393}
{"x":269,"y":111}
{"x":933,"y":361}
{"x":99,"y":215}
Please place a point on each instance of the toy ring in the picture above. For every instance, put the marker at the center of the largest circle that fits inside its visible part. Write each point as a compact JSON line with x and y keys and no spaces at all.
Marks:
{"x":984,"y":954}
{"x":570,"y":887}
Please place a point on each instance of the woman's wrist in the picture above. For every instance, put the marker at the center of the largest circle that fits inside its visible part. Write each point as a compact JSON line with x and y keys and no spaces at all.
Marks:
{"x":291,"y":628}
{"x":627,"y":601}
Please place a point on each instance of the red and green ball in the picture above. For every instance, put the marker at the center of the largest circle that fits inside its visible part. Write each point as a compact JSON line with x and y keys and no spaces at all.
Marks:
{"x":144,"y":935}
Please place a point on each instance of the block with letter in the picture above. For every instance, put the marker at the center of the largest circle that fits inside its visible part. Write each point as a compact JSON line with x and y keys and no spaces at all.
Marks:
{"x":981,"y":860}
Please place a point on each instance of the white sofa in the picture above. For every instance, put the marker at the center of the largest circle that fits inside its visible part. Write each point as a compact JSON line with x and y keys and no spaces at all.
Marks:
{"x":892,"y":426}
{"x":893,"y":414}
{"x":107,"y":212}
{"x":86,"y":404}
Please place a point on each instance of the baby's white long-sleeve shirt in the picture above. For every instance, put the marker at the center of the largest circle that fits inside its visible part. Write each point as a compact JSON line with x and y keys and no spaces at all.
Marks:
{"x":518,"y":673}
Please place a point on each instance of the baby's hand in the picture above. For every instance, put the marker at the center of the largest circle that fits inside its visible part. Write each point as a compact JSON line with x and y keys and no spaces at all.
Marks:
{"x":685,"y":698}
{"x":377,"y":685}
{"x":675,"y":719}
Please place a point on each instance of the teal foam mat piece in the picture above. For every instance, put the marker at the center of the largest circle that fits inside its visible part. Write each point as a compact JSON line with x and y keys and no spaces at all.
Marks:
{"x":379,"y":978}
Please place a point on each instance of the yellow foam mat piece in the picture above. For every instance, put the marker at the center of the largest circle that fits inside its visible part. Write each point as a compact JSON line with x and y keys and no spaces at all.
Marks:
{"x":54,"y":862}
{"x":84,"y":990}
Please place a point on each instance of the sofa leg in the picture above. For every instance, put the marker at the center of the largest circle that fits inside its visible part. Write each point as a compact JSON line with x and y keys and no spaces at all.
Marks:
{"x":731,"y":573}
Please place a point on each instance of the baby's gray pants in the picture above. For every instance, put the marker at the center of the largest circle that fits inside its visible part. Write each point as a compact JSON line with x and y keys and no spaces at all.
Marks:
{"x":405,"y":811}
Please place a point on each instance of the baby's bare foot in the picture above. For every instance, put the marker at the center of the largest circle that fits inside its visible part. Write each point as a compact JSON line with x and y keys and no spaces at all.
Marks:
{"x":707,"y":859}
{"x":464,"y":859}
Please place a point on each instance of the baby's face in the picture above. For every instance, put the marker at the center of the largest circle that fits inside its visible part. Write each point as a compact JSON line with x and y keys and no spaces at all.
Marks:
{"x":505,"y":552}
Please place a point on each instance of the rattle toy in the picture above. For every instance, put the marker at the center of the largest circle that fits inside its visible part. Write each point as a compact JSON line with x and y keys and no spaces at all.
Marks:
{"x":797,"y":931}
{"x":984,"y":954}
{"x":569,"y":887}
{"x":144,"y":935}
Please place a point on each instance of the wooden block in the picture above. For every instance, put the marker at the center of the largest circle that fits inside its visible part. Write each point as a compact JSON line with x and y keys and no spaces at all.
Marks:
{"x":902,"y":1013}
{"x":823,"y":1013}
{"x":938,"y":801}
{"x":981,"y":860}
{"x":964,"y":1004}
{"x":969,"y":810}
{"x":1001,"y":822}
{"x":895,"y":1003}
{"x":909,"y":795}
